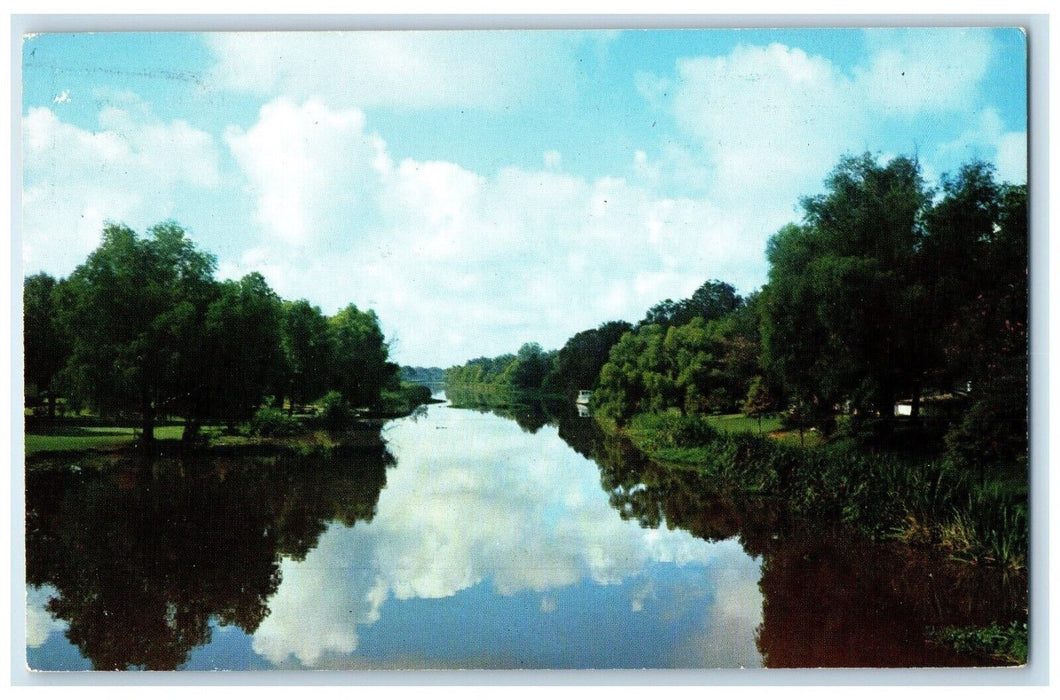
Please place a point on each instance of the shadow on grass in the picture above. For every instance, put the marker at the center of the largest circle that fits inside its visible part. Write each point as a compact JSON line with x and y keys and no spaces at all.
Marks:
{"x":76,"y":431}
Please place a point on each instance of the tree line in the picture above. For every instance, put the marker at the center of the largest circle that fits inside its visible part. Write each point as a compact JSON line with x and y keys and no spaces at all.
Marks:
{"x":143,"y":329}
{"x":887,"y":291}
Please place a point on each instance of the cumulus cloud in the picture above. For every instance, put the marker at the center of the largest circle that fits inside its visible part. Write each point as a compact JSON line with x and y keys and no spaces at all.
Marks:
{"x":987,"y":139}
{"x":131,"y":168}
{"x":766,"y":116}
{"x":311,"y":170}
{"x":404,"y":69}
{"x":537,"y":523}
{"x":459,"y":263}
{"x":769,"y":122}
{"x":913,"y":71}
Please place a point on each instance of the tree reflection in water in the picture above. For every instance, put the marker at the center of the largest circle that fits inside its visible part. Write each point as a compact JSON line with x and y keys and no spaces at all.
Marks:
{"x":145,"y":555}
{"x":829,"y":600}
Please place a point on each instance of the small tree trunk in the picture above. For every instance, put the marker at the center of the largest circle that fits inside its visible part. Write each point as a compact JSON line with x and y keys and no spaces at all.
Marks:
{"x":147,"y":420}
{"x":191,"y":431}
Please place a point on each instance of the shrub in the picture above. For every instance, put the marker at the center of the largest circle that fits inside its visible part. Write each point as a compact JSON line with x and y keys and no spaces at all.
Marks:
{"x":272,"y":422}
{"x":335,"y":411}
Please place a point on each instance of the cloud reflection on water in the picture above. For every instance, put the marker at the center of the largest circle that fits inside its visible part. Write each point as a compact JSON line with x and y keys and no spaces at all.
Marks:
{"x":474,"y":500}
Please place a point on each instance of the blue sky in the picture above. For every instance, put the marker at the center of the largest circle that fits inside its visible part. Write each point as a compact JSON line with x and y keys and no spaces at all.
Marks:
{"x":484,"y":189}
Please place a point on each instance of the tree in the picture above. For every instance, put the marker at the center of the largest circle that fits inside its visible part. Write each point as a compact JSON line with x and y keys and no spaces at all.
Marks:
{"x":243,"y":326}
{"x":712,"y":300}
{"x":307,"y":351}
{"x":579,"y":361}
{"x":360,"y":369}
{"x":46,"y":348}
{"x":760,"y":401}
{"x":841,"y":313}
{"x":532,"y":365}
{"x":975,"y":261}
{"x":130,"y":312}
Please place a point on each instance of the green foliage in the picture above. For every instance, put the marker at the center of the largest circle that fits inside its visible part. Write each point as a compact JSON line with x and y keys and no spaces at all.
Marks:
{"x":843,"y":297}
{"x":404,"y":399}
{"x":45,"y":346}
{"x":878,"y":495}
{"x":1005,"y":643}
{"x":132,"y":313}
{"x":699,"y":367}
{"x":307,"y":351}
{"x":579,"y":361}
{"x":272,"y":422}
{"x":525,"y":371}
{"x":360,"y":367}
{"x":243,"y":329}
{"x":335,"y":411}
{"x":884,"y":293}
{"x":141,"y":328}
{"x":713,"y":300}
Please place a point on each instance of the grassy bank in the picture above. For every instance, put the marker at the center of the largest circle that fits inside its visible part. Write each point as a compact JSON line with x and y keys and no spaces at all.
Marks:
{"x":1002,"y":644}
{"x":268,"y":427}
{"x":879,"y":495}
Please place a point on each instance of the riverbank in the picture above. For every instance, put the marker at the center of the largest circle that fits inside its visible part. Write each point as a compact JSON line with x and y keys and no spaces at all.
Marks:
{"x":924,"y":504}
{"x":270,"y":429}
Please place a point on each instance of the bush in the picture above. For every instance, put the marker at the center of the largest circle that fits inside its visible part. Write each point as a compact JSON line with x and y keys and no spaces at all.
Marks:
{"x":335,"y":411}
{"x":272,"y":422}
{"x":404,"y":399}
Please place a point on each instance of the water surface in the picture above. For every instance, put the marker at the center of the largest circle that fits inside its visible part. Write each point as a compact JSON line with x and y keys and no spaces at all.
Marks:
{"x":473,"y":542}
{"x":457,"y":538}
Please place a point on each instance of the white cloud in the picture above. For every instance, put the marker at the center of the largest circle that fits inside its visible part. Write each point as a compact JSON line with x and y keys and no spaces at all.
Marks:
{"x":768,"y":119}
{"x":410,"y":69}
{"x":456,"y":263}
{"x":311,"y":169}
{"x":920,"y":70}
{"x":130,"y":169}
{"x":770,"y":122}
{"x":987,"y":139}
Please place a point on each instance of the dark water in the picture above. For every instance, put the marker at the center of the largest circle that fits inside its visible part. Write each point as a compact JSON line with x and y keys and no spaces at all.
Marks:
{"x":461,"y":539}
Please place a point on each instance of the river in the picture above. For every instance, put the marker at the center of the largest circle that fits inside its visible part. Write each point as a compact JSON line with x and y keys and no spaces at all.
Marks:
{"x":461,"y":539}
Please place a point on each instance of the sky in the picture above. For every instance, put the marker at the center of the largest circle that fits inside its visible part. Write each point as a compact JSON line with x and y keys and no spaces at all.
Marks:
{"x":483,"y":189}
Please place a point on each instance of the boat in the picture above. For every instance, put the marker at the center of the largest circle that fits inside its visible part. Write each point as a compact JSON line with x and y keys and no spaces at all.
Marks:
{"x":583,"y":396}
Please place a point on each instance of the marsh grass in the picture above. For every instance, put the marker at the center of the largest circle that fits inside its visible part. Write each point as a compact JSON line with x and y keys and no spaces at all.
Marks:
{"x":1006,"y":644}
{"x":880,"y":495}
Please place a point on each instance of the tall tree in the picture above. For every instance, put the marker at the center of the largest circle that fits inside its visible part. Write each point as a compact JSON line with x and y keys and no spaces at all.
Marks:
{"x":128,"y":312}
{"x":308,"y":351}
{"x":579,"y":361}
{"x":978,"y":239}
{"x":532,"y":366}
{"x":841,"y":316}
{"x":243,"y":326}
{"x":711,"y":301}
{"x":361,"y":370}
{"x":46,"y":348}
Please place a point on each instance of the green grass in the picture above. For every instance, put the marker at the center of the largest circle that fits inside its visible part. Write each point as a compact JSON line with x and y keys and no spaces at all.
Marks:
{"x":1006,"y":645}
{"x":739,"y":423}
{"x":77,"y":438}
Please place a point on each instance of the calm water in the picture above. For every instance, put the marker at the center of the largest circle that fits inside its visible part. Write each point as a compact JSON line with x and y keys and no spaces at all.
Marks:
{"x":461,"y":539}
